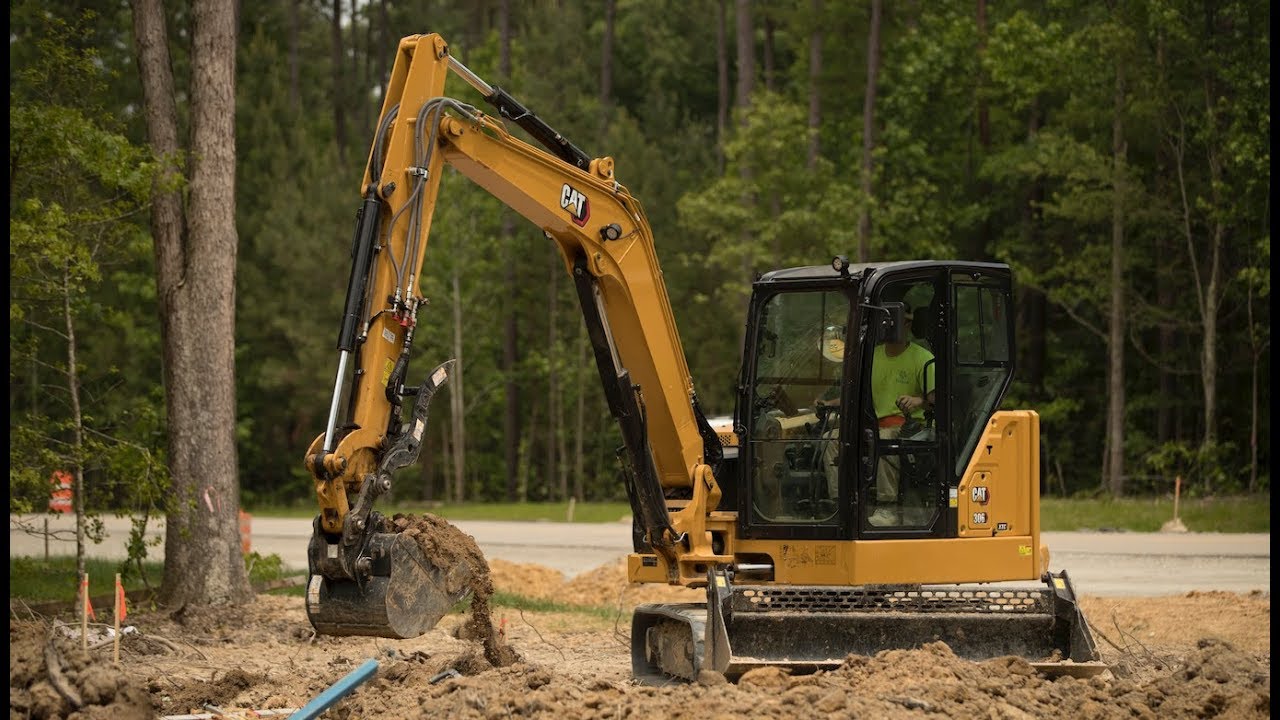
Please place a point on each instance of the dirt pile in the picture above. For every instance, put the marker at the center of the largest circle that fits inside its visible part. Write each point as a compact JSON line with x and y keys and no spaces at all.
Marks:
{"x":1214,"y":681}
{"x":51,"y":676}
{"x":605,"y":586}
{"x":1194,"y":656}
{"x":445,"y":545}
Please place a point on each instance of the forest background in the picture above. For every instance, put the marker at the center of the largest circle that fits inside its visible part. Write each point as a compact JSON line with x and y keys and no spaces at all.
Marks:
{"x":1117,"y":155}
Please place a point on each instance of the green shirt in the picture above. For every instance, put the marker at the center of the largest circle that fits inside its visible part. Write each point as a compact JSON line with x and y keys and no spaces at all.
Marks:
{"x":902,"y":374}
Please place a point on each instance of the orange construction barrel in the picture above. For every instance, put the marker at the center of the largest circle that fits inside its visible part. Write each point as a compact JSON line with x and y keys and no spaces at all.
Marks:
{"x":246,"y":529}
{"x":60,"y":496}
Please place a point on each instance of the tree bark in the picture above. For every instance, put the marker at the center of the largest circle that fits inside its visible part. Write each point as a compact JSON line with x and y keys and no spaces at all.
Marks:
{"x":77,"y":424}
{"x":868,"y":133}
{"x":606,"y":66}
{"x":510,"y":325}
{"x":1116,"y":341}
{"x":768,"y":51}
{"x":457,"y":405}
{"x":722,"y":84}
{"x":339,"y":86}
{"x":196,"y":287}
{"x":295,"y":63}
{"x":978,"y":243}
{"x":815,"y":84}
{"x":555,"y":479}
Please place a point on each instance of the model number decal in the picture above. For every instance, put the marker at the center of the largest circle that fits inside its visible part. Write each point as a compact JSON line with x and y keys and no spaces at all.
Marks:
{"x":979,"y":518}
{"x":576,"y":203}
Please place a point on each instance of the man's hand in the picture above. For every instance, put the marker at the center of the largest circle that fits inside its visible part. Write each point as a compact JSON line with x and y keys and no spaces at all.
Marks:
{"x":909,"y":403}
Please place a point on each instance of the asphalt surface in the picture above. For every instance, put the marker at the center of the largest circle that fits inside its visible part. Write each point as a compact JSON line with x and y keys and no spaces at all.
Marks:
{"x":1099,"y":563}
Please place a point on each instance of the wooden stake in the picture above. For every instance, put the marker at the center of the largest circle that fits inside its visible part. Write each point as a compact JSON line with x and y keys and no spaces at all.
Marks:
{"x":1177,"y":491}
{"x":116,"y":594}
{"x":84,"y":612}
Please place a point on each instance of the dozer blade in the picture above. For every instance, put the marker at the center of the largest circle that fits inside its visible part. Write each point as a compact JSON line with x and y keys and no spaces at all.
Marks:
{"x":810,"y":628}
{"x":404,"y":595}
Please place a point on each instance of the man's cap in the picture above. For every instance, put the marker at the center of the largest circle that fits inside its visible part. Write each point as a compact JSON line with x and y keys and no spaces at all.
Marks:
{"x":833,"y":344}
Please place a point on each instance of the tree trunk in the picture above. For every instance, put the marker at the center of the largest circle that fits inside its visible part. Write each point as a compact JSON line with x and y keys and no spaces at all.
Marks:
{"x":606,"y":67}
{"x":1166,"y":295}
{"x":553,"y":384}
{"x":768,"y":51}
{"x":815,"y":85}
{"x":868,"y":133}
{"x":195,"y":279}
{"x":746,"y":58}
{"x":581,"y":371}
{"x":746,"y":85}
{"x":457,"y":405}
{"x":977,"y":249}
{"x":1255,"y":356}
{"x":295,"y":62}
{"x":722,"y":84}
{"x":77,"y":423}
{"x":510,"y":335}
{"x":1212,"y":291}
{"x":1116,"y":341}
{"x":384,"y":32}
{"x":339,"y":85}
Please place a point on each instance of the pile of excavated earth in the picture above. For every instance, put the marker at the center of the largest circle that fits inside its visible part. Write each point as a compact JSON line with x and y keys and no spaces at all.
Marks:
{"x":1199,"y":655}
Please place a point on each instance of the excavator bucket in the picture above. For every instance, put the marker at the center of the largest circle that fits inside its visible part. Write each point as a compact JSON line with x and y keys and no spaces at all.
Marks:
{"x":404,"y":594}
{"x":810,"y":628}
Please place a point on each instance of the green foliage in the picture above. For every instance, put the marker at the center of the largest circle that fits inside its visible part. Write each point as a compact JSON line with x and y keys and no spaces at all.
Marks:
{"x":79,"y":189}
{"x":993,"y":146}
{"x":263,"y":569}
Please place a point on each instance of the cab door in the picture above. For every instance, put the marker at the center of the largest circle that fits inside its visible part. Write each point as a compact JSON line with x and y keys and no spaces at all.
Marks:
{"x":903,"y":488}
{"x":955,"y":353}
{"x":795,"y":382}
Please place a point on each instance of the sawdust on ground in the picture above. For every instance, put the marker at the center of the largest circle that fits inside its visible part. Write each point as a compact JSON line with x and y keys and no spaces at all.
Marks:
{"x":1198,"y":655}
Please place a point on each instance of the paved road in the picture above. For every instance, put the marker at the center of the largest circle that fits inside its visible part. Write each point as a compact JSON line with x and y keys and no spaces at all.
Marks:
{"x":1108,"y":564}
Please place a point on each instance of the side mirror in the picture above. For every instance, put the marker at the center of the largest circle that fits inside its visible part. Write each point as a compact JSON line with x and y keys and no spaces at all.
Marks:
{"x":895,"y":325}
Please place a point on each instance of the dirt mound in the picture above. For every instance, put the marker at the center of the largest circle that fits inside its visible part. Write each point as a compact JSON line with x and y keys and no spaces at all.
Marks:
{"x":445,"y":545}
{"x":51,"y":676}
{"x":1215,"y":681}
{"x":1192,"y":656}
{"x":605,"y":586}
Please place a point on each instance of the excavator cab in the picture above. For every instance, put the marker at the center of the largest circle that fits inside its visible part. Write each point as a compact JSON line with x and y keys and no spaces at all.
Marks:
{"x":886,"y":500}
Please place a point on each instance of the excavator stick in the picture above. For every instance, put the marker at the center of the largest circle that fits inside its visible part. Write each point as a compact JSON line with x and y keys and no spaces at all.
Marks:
{"x":810,"y":628}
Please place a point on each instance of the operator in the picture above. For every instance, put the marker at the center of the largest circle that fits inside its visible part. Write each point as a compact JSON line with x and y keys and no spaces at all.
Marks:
{"x":833,"y":355}
{"x":898,"y":382}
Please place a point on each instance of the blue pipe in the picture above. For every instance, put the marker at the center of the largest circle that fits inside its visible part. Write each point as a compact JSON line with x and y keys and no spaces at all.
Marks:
{"x":336,"y":691}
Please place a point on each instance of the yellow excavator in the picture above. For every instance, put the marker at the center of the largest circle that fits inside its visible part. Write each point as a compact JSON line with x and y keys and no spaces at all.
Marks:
{"x":819,"y":523}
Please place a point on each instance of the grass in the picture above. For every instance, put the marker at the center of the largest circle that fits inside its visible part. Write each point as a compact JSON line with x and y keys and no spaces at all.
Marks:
{"x":586,"y":512}
{"x":35,"y":580}
{"x":1245,"y":514}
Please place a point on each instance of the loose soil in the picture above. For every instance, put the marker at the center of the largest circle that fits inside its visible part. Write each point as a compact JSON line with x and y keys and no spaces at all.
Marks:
{"x":1199,"y":655}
